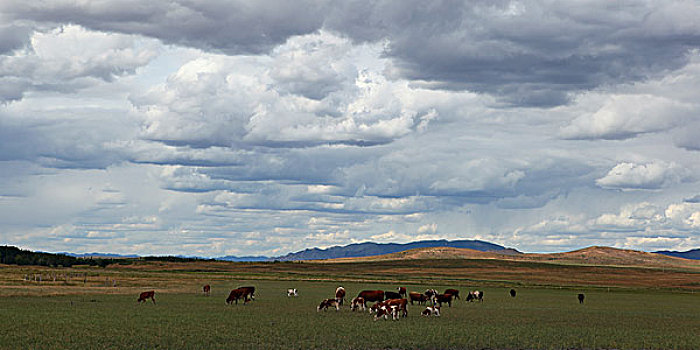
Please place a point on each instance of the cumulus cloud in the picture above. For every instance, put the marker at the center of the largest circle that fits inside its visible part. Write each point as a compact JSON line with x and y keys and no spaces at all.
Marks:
{"x":66,"y":58}
{"x":647,"y":176}
{"x":626,"y":116}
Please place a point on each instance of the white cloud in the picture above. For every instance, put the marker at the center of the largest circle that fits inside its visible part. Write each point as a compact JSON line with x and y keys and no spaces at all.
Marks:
{"x":652,"y":175}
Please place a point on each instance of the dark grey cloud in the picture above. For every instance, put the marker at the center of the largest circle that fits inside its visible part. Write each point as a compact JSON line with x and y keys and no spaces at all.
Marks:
{"x":233,"y":27}
{"x":530,"y":52}
{"x":527,"y":53}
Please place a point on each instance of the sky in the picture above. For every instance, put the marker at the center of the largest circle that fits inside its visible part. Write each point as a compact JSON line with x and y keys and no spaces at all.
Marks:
{"x":215,"y":128}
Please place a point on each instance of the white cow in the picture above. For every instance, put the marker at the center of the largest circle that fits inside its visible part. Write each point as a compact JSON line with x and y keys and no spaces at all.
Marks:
{"x":292,"y":292}
{"x":431,"y":311}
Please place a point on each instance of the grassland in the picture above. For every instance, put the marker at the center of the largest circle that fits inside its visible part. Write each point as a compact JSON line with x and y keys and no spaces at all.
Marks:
{"x":625,"y":308}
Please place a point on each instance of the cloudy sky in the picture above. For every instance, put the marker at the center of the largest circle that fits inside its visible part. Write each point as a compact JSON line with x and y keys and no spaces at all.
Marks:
{"x":262,"y":127}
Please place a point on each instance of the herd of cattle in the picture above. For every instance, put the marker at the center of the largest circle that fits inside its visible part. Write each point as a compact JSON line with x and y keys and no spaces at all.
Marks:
{"x":395,"y":304}
{"x":387,"y":303}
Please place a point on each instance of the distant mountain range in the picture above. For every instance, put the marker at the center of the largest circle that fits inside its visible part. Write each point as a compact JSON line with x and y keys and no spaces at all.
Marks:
{"x":690,"y":254}
{"x":358,"y":250}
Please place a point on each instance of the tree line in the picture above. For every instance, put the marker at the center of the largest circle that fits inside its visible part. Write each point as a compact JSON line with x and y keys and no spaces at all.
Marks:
{"x":11,"y":255}
{"x":14,"y":256}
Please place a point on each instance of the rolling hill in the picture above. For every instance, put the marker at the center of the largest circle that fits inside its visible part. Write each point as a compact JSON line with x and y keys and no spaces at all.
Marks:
{"x":593,"y":256}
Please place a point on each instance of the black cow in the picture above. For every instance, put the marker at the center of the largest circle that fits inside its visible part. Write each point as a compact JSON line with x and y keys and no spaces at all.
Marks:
{"x":512,"y":293}
{"x":580,"y":298}
{"x":391,"y":295}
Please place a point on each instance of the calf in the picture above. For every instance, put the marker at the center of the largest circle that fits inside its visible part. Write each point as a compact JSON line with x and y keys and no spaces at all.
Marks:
{"x":402,"y":292}
{"x":431,"y":311}
{"x":512,"y":293}
{"x":237,"y":294}
{"x":454,"y":292}
{"x":326,"y":303}
{"x":292,"y":292}
{"x":580,"y":298}
{"x":357,"y":303}
{"x":443,"y":298}
{"x":340,"y":294}
{"x":206,"y":290}
{"x":420,"y":298}
{"x":151,"y":294}
{"x":391,"y":295}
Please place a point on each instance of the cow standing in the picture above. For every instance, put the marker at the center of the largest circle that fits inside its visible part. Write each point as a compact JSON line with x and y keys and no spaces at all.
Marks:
{"x":402,"y":292}
{"x":340,"y":295}
{"x":420,"y":298}
{"x":443,"y":298}
{"x":151,"y":294}
{"x":391,"y":295}
{"x":475,"y":295}
{"x":370,"y":295}
{"x":393,"y":307}
{"x":237,"y":294}
{"x":206,"y":290}
{"x":454,"y":292}
{"x":357,"y":303}
{"x":326,"y":303}
{"x":512,"y":293}
{"x":248,"y":292}
{"x":580,"y":298}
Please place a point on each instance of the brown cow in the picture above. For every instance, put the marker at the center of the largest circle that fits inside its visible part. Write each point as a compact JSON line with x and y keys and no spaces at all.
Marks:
{"x":420,"y":298}
{"x":146,"y":295}
{"x":454,"y":292}
{"x":249,"y":292}
{"x":402,"y":292}
{"x":443,"y":298}
{"x":326,"y":303}
{"x":340,"y":295}
{"x":206,"y":290}
{"x":393,"y":307}
{"x":357,"y":303}
{"x":371,"y":295}
{"x":237,"y":294}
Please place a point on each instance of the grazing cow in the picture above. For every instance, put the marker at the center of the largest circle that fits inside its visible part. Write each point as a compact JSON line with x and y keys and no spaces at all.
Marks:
{"x":443,"y":298}
{"x":340,"y":294}
{"x":248,"y":292}
{"x":580,"y":298}
{"x":326,"y":303}
{"x":393,"y":307}
{"x":206,"y":290}
{"x":357,"y":303}
{"x":292,"y":292}
{"x":431,"y":311}
{"x":371,"y":295}
{"x":512,"y":293}
{"x":475,"y":295}
{"x":420,"y":298}
{"x":402,"y":292}
{"x":391,"y":295}
{"x":454,"y":292}
{"x":430,"y":293}
{"x":237,"y":294}
{"x":146,"y":295}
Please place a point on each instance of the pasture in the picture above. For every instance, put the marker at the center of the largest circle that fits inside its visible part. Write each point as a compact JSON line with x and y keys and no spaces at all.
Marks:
{"x":538,"y":318}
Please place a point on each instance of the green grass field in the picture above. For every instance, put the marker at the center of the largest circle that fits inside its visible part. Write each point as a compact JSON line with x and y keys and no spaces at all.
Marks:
{"x":537,"y":318}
